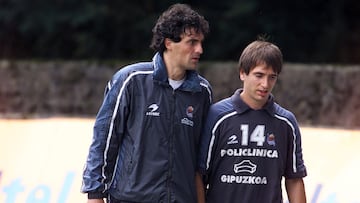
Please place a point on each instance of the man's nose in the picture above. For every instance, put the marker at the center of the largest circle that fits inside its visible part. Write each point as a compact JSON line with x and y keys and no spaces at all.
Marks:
{"x":199,"y":48}
{"x":265,"y":82}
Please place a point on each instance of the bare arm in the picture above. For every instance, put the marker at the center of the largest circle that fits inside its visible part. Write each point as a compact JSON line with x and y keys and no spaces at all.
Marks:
{"x":95,"y":201}
{"x":200,"y":188}
{"x":295,"y":190}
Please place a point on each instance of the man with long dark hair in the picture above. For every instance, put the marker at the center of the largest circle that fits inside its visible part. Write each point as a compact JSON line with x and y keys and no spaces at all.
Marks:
{"x":147,"y":130}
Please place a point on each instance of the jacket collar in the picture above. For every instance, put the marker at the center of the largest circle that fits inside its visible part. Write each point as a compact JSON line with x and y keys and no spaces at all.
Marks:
{"x":191,"y":83}
{"x":241,"y":107}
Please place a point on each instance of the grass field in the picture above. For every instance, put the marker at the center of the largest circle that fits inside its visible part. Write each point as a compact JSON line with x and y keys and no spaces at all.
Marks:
{"x":41,"y":160}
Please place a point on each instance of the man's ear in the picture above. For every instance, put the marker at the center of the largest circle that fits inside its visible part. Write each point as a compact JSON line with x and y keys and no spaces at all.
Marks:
{"x":242,"y":74}
{"x":168,"y":43}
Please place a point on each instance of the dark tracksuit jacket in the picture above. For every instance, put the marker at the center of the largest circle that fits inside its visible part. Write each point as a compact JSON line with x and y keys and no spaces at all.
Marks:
{"x":146,"y":136}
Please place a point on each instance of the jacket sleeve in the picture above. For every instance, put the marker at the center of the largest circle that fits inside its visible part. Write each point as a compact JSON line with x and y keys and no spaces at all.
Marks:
{"x":207,"y":143}
{"x":107,"y":135}
{"x":204,"y":135}
{"x":295,"y":167}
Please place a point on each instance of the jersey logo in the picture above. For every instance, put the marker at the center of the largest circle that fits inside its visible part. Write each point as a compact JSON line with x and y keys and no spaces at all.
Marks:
{"x":232,"y":140}
{"x":270,"y":139}
{"x":245,"y":166}
{"x":152,"y":110}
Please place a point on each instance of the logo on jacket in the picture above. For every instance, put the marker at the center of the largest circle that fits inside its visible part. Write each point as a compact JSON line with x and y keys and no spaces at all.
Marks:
{"x":189,"y":114}
{"x":152,"y":110}
{"x":189,"y":111}
{"x":187,"y":121}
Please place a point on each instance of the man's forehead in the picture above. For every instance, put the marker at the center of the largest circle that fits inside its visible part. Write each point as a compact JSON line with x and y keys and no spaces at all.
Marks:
{"x":263,"y":67}
{"x":193,"y":33}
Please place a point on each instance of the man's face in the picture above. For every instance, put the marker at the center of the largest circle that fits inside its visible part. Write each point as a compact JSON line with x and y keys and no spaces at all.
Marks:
{"x":186,"y":53}
{"x":258,"y":85}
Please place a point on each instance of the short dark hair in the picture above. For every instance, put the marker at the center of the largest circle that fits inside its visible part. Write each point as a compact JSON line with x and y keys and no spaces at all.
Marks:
{"x":259,"y":52}
{"x":174,"y":22}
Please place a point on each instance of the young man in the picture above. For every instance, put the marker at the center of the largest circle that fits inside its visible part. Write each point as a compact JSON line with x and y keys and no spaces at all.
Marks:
{"x":250,"y":142}
{"x":147,"y":130}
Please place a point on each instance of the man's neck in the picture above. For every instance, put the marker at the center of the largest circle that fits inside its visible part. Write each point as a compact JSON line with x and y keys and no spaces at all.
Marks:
{"x":252,"y":103}
{"x":173,"y":70}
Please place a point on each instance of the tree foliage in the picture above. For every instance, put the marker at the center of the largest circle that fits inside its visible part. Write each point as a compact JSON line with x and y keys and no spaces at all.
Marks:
{"x":307,"y":31}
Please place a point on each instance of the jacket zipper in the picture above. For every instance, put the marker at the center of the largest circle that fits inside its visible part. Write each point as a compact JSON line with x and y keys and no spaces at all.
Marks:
{"x":171,"y":142}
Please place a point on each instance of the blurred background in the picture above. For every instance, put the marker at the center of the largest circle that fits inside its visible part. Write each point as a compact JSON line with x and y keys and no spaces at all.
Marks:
{"x":316,"y":31}
{"x":56,"y":57}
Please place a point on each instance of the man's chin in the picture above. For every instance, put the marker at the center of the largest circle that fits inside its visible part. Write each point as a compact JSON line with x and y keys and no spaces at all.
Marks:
{"x":193,"y":66}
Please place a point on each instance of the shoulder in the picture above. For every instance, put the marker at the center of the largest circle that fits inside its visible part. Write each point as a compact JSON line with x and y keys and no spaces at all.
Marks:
{"x":136,"y":68}
{"x":203,"y":81}
{"x":221,"y":109}
{"x":132,"y":70}
{"x":205,"y":85}
{"x":285,"y":115}
{"x":282,"y":111}
{"x":123,"y":75}
{"x":223,"y":106}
